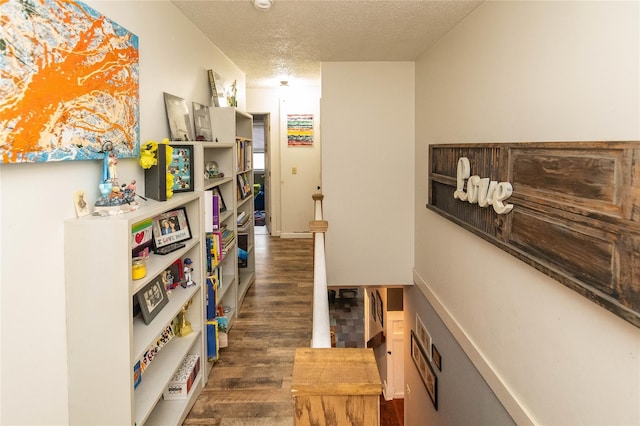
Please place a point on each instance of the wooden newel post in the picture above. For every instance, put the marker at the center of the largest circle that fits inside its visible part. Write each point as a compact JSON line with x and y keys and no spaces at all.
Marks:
{"x":336,"y":386}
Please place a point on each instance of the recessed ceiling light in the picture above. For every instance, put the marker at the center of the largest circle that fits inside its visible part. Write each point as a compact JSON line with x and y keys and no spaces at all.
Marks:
{"x":263,"y":5}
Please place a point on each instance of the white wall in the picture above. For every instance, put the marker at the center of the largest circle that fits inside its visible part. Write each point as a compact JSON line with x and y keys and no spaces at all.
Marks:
{"x":528,"y":71}
{"x":290,"y":197}
{"x":35,"y":199}
{"x":368,"y":171}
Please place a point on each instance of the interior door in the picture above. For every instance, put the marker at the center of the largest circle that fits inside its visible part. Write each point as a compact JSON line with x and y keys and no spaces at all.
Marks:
{"x":395,"y":355}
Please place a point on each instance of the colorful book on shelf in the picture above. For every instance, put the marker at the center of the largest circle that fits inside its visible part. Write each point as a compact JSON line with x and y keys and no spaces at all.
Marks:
{"x":212,"y":340}
{"x":212,"y":292}
{"x":214,"y":250}
{"x":211,"y":211}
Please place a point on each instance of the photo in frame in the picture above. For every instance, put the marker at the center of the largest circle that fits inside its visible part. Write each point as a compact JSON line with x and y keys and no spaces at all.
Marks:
{"x":221,"y":205}
{"x":380,"y":308}
{"x":202,"y":122}
{"x":178,"y":118}
{"x":425,"y":370}
{"x":171,"y":227}
{"x":435,"y":356}
{"x":152,"y":298}
{"x":424,"y":337}
{"x":243,"y":186}
{"x":181,"y":167}
{"x":216,"y":83}
{"x":373,"y":306}
{"x":172,"y":276}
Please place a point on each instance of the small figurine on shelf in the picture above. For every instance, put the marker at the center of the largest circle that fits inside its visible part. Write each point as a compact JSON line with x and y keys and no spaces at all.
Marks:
{"x":113,"y":199}
{"x":188,"y":281}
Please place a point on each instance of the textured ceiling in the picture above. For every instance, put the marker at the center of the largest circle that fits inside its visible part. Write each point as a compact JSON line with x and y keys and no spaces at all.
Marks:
{"x":289,"y":41}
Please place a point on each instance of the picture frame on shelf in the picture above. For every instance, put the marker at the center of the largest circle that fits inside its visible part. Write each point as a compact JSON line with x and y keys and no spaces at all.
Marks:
{"x":141,"y":238}
{"x":173,"y":275}
{"x":217,"y":88}
{"x":181,"y":167}
{"x":202,"y":122}
{"x":178,"y":118}
{"x":171,"y":227}
{"x":243,"y":186}
{"x":425,"y":370}
{"x":152,"y":298}
{"x":221,"y":204}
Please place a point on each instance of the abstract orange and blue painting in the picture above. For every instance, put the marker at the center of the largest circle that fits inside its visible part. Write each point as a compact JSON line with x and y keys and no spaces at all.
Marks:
{"x":68,"y":83}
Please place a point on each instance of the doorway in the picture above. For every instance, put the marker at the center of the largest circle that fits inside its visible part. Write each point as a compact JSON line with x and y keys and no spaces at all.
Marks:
{"x":261,"y":172}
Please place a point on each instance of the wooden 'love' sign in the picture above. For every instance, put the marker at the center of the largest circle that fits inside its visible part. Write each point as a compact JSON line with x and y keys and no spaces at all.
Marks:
{"x":569,"y":209}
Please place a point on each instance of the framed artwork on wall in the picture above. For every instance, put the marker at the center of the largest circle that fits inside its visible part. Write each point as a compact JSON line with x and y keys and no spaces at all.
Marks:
{"x":84,"y":93}
{"x":425,"y":370}
{"x":424,"y":338}
{"x":435,"y":356}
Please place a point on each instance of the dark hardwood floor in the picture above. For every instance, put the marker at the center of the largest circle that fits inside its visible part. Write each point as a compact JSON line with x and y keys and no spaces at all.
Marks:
{"x":250,"y":385}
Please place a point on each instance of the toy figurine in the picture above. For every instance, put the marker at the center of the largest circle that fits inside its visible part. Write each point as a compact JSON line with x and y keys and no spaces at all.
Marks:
{"x":188,"y":281}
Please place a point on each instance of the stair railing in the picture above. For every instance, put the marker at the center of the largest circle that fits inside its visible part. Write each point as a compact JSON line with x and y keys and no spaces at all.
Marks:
{"x":321,"y":337}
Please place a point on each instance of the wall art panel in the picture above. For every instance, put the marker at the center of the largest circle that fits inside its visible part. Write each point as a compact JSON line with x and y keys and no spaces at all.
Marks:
{"x":68,"y":83}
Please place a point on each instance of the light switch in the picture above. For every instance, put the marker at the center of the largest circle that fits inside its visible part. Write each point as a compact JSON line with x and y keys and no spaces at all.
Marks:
{"x":294,"y":170}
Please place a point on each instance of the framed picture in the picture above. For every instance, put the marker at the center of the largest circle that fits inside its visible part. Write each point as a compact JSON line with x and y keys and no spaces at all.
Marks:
{"x":172,"y":276}
{"x":86,"y":92}
{"x":373,"y":306}
{"x":178,"y":117}
{"x":435,"y":356}
{"x":423,"y":335}
{"x":152,"y":298}
{"x":216,"y":83}
{"x":221,"y":204}
{"x":426,"y":372}
{"x":181,"y":167}
{"x":243,"y":186}
{"x":171,"y":227}
{"x":379,"y":308}
{"x":202,"y":122}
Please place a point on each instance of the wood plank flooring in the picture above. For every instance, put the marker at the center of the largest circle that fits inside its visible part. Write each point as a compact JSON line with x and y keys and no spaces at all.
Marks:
{"x":250,"y":385}
{"x":251,"y":382}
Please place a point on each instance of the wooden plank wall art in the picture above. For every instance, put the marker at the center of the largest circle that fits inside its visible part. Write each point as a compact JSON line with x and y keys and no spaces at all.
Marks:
{"x":69,"y":83}
{"x":571,"y":210}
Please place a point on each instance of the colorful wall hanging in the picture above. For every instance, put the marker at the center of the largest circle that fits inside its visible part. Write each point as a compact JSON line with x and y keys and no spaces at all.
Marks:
{"x":69,"y":83}
{"x":300,"y":129}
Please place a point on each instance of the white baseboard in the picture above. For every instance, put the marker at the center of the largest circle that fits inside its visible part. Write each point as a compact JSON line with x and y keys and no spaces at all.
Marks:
{"x":296,"y":235}
{"x":513,"y":406}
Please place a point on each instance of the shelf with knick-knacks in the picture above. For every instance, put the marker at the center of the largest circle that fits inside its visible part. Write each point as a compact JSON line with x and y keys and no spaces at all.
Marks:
{"x":123,"y":317}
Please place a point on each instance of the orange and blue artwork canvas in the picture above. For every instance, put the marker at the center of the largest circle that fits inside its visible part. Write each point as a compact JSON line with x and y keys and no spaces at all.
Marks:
{"x":68,"y":83}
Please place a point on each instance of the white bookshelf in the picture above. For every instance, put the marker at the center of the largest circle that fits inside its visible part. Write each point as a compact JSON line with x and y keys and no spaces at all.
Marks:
{"x":105,"y":340}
